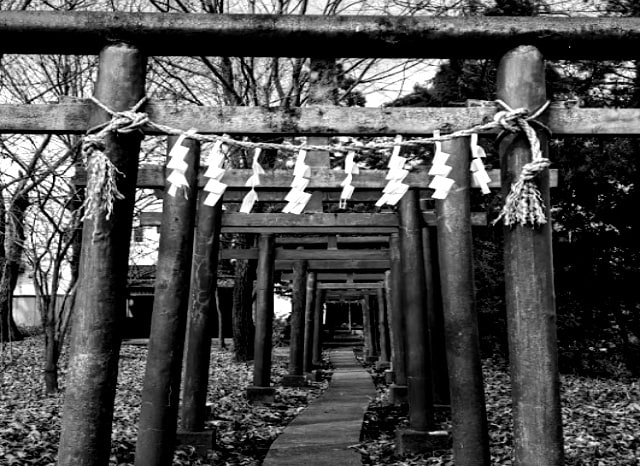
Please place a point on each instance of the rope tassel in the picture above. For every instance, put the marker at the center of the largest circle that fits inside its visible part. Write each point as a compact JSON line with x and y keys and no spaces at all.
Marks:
{"x":524,"y":204}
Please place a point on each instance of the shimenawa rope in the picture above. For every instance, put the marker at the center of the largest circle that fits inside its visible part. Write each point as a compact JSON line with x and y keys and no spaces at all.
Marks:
{"x":523,"y":204}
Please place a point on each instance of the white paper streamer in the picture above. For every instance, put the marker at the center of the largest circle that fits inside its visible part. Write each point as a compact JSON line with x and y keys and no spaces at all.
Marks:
{"x":214,"y":187}
{"x":300,"y":183}
{"x":212,"y":199}
{"x":350,"y":168}
{"x":248,"y":201}
{"x":395,"y":188}
{"x":297,"y":199}
{"x":216,"y":155}
{"x":442,"y":186}
{"x":440,"y":171}
{"x":478,"y":170}
{"x":476,"y":150}
{"x":178,"y":165}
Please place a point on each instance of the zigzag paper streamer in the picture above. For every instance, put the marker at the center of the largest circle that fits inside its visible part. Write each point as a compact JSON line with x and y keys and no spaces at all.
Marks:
{"x":297,"y":199}
{"x":214,"y":187}
{"x":249,"y":200}
{"x":478,"y":171}
{"x":440,"y":171}
{"x":178,"y":165}
{"x":395,"y":188}
{"x":350,"y":168}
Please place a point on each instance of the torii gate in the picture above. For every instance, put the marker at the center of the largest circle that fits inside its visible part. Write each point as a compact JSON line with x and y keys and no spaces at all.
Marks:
{"x":124,"y":40}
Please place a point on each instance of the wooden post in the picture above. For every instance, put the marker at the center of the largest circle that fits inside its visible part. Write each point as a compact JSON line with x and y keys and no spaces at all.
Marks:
{"x":310,"y":306}
{"x":468,"y":413}
{"x":202,"y":311}
{"x":323,"y":88}
{"x":389,"y":374}
{"x":416,"y":331}
{"x":373,"y":324}
{"x":439,"y":372}
{"x":383,"y":331}
{"x":370,"y":354}
{"x":373,"y":320}
{"x":99,"y":313}
{"x":296,"y":348}
{"x":161,"y":388}
{"x":530,"y":294}
{"x":393,"y":283}
{"x":261,"y":390}
{"x":317,"y":327}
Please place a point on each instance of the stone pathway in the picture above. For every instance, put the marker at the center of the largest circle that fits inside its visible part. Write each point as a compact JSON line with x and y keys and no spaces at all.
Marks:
{"x":322,"y":433}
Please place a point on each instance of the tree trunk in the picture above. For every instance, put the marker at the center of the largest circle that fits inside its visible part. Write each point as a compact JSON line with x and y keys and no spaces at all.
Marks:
{"x":13,"y":229}
{"x":243,"y":328}
{"x":51,"y":355}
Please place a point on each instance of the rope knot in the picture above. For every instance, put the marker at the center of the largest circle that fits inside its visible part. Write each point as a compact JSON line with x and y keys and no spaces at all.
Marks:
{"x":102,"y":188}
{"x":524,"y":204}
{"x":533,"y":168}
{"x":128,"y":121}
{"x":509,"y":118}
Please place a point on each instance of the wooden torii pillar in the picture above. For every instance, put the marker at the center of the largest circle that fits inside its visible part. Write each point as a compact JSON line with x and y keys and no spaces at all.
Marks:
{"x":161,"y":388}
{"x":398,"y":389}
{"x":317,"y":327}
{"x":421,"y":416}
{"x":98,"y":317}
{"x":202,"y":309}
{"x":261,"y":390}
{"x":295,"y":377}
{"x":469,"y":420}
{"x":435,"y":317}
{"x":309,"y":323}
{"x":383,"y":331}
{"x":530,"y":294}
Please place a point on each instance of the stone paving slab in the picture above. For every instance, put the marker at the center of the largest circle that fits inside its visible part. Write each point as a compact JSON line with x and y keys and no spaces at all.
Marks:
{"x":321,"y":434}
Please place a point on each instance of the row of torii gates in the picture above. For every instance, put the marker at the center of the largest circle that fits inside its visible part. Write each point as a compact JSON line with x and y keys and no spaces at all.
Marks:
{"x":124,"y":41}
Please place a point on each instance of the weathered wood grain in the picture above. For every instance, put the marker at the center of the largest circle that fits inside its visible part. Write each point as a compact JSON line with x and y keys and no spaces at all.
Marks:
{"x":360,"y":240}
{"x":344,"y":223}
{"x":529,"y":284}
{"x":73,"y":118}
{"x":264,"y":312}
{"x":309,"y":254}
{"x":102,"y":288}
{"x":337,"y":265}
{"x":317,"y":36}
{"x":153,"y":177}
{"x":339,"y":277}
{"x":349,"y":286}
{"x":460,"y":321}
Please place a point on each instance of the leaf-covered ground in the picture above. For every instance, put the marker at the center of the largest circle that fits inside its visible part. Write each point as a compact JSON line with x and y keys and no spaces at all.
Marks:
{"x":30,"y":420}
{"x":601,"y":417}
{"x":601,"y":421}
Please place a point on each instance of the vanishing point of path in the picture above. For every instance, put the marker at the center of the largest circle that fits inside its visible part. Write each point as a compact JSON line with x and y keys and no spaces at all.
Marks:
{"x":321,"y":434}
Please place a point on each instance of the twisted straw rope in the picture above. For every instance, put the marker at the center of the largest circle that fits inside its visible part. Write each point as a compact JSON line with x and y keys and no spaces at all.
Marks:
{"x":132,"y":120}
{"x":523,"y":204}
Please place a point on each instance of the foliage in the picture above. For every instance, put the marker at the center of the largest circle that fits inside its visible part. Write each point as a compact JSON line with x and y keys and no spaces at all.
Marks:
{"x":30,"y":420}
{"x":600,"y":421}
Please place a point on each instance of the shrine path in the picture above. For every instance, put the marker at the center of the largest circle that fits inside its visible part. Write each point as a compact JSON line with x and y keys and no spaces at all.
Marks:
{"x":323,"y":432}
